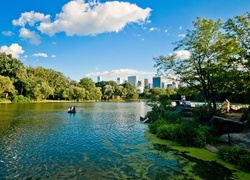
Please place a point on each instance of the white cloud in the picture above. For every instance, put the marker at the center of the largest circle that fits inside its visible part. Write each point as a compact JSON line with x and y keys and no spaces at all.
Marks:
{"x":14,"y":49}
{"x":165,"y":30}
{"x":180,"y":28}
{"x":8,"y":33}
{"x":80,"y":18}
{"x":30,"y":18}
{"x":154,"y":29}
{"x":53,"y":56}
{"x":40,"y":55}
{"x":181,"y":35}
{"x":31,"y":35}
{"x":122,"y":73}
{"x":182,"y":54}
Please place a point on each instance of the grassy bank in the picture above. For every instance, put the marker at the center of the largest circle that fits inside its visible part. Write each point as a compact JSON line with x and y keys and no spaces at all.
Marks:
{"x":198,"y":156}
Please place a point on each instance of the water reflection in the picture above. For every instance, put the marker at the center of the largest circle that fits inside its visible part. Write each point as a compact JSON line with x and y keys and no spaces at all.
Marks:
{"x":100,"y":141}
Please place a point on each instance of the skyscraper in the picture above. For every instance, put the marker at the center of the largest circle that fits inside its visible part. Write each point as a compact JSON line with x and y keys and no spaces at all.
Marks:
{"x":99,"y":78}
{"x":146,"y":84}
{"x":157,"y":82}
{"x":133,"y":80}
{"x":118,"y":80}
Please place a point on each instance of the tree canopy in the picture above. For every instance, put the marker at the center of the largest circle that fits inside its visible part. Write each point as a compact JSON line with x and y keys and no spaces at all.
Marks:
{"x":210,"y":67}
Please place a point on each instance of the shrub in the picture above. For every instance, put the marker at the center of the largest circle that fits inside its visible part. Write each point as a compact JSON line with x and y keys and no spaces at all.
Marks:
{"x":232,"y":154}
{"x":167,"y":131}
{"x":185,"y":133}
{"x":203,"y":113}
{"x":244,"y":162}
{"x":171,"y":116}
{"x":200,"y":138}
{"x":20,"y":99}
{"x":155,"y":124}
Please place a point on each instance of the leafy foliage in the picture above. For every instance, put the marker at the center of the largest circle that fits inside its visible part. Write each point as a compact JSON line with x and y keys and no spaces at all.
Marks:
{"x":236,"y":155}
{"x":207,"y":63}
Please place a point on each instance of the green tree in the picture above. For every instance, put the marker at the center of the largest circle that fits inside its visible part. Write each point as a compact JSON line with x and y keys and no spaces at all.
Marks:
{"x":42,"y":91}
{"x":239,"y":28}
{"x":207,"y":65}
{"x":12,"y":68}
{"x":76,"y":93}
{"x":6,"y":86}
{"x":108,"y":92}
{"x":129,"y":91}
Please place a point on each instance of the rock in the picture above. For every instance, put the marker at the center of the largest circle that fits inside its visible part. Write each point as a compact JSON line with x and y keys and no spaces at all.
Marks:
{"x":245,"y":114}
{"x":240,"y":139}
{"x":223,"y":125}
{"x":211,"y":148}
{"x":184,"y":111}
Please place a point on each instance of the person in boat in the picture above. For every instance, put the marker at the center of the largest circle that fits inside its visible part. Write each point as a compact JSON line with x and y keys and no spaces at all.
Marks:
{"x":73,"y":108}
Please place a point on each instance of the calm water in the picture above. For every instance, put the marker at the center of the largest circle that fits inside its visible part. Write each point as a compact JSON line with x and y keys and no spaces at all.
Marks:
{"x":100,"y":141}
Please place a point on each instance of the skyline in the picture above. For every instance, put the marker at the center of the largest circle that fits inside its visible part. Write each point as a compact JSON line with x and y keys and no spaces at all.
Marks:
{"x":103,"y":38}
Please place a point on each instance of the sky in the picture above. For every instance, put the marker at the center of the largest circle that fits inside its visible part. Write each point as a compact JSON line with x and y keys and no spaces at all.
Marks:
{"x":90,"y":38}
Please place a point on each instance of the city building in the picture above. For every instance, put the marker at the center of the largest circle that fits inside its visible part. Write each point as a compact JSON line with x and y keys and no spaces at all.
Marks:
{"x":140,"y":84}
{"x":157,"y":82}
{"x":169,"y":85}
{"x":133,"y":80}
{"x":146,"y":84}
{"x":149,"y":85}
{"x":99,"y":78}
{"x":118,"y":81}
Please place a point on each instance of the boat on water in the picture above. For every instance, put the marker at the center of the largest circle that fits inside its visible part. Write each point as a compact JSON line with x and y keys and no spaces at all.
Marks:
{"x":72,"y":110}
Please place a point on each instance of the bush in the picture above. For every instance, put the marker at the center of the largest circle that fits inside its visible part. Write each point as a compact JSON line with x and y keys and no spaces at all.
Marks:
{"x":20,"y":99}
{"x":156,"y":124}
{"x":167,"y":131}
{"x":200,"y":138}
{"x":203,"y":113}
{"x":185,"y":133}
{"x":235,"y":155}
{"x":244,"y":162}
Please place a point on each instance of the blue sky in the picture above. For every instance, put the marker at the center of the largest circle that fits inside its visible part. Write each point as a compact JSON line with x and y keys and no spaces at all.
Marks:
{"x":107,"y":38}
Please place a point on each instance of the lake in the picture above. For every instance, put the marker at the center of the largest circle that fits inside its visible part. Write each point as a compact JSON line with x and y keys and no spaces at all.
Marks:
{"x":103,"y":140}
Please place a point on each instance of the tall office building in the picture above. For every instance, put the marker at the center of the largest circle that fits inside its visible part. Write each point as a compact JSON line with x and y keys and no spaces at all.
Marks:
{"x":157,"y":82}
{"x":118,"y":80}
{"x":133,"y":80}
{"x":141,"y":84}
{"x":146,"y":84}
{"x":99,"y":78}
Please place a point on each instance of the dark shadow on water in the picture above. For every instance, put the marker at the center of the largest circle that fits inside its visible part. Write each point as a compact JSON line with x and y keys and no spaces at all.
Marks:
{"x":204,"y":169}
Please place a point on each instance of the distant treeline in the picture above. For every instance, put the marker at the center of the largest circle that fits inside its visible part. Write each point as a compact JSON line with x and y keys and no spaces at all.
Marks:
{"x":24,"y":84}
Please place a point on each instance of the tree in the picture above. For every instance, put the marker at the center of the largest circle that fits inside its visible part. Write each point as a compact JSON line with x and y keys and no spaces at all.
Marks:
{"x":108,"y":92}
{"x":12,"y":68}
{"x":239,"y":28}
{"x":6,"y":86}
{"x":129,"y":91}
{"x":87,"y":83}
{"x":42,"y":91}
{"x":207,"y":64}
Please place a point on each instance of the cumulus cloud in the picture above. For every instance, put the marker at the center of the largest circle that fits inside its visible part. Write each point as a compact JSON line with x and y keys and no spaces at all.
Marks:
{"x":8,"y":33}
{"x":30,"y":18}
{"x":30,"y":35}
{"x":122,"y":73}
{"x":154,"y":29}
{"x":80,"y":18}
{"x":182,"y":54}
{"x":40,"y":55}
{"x":181,"y":35}
{"x":13,"y":49}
